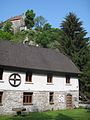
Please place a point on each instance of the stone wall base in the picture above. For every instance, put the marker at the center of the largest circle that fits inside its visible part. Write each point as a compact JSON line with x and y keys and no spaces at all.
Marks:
{"x":40,"y":101}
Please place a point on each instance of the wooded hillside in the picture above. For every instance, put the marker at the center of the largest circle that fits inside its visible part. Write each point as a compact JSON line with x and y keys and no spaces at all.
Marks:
{"x":70,"y":39}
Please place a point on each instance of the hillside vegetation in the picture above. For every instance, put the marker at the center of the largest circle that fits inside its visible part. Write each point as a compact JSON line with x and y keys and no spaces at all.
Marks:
{"x":70,"y":39}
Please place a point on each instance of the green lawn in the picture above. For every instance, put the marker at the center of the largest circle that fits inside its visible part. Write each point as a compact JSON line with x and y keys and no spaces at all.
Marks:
{"x":75,"y":114}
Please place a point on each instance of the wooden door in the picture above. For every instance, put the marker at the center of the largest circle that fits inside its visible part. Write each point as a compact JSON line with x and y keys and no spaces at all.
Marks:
{"x":69,"y":101}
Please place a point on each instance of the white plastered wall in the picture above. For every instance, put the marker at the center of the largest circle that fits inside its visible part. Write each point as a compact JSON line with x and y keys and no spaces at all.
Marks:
{"x":39,"y":83}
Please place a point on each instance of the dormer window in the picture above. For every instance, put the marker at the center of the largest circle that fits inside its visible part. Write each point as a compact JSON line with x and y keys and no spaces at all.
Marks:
{"x":28,"y":77}
{"x":1,"y":74}
{"x":67,"y":79}
{"x":49,"y":79}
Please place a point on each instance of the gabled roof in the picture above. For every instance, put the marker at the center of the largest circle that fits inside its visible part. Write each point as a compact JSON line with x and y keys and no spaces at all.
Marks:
{"x":15,"y":18}
{"x":24,"y":56}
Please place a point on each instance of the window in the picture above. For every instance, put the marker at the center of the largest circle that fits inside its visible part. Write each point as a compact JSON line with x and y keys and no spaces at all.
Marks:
{"x":27,"y":98}
{"x":51,"y":97}
{"x":67,"y":79}
{"x":49,"y":79}
{"x":29,"y":77}
{"x":1,"y":74}
{"x":1,"y":93}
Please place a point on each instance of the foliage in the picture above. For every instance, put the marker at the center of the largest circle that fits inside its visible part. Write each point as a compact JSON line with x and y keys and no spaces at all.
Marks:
{"x":47,"y":38}
{"x":85,"y":78}
{"x":70,"y":39}
{"x":73,"y":41}
{"x":8,"y":27}
{"x":5,"y":35}
{"x":75,"y":114}
{"x":39,"y":22}
{"x":19,"y":37}
{"x":47,"y":26}
{"x":75,"y":44}
{"x":29,"y":19}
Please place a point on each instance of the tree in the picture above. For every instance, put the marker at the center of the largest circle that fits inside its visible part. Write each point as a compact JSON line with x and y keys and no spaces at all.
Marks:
{"x":19,"y":37}
{"x":8,"y":27}
{"x":39,"y":22}
{"x":73,"y":40}
{"x":47,"y":38}
{"x":85,"y":83}
{"x":74,"y":43}
{"x":29,"y":19}
{"x":5,"y":35}
{"x":47,"y":26}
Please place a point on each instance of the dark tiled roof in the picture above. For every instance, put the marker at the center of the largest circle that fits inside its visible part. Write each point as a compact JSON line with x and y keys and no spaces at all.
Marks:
{"x":24,"y":56}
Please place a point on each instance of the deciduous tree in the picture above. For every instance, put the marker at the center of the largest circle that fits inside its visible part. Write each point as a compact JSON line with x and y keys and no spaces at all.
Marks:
{"x":7,"y":27}
{"x":40,"y":21}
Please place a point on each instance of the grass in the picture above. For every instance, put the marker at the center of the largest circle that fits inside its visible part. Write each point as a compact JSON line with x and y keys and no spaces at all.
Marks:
{"x":75,"y":114}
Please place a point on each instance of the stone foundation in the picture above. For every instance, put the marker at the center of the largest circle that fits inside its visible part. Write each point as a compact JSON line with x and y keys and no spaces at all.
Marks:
{"x":40,"y":102}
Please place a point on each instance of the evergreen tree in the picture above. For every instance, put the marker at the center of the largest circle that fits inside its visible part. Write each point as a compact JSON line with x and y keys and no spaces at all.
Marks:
{"x":74,"y":43}
{"x":29,"y":19}
{"x":73,"y":40}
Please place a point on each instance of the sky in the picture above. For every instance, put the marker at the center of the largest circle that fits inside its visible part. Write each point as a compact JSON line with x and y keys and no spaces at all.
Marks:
{"x":54,"y":11}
